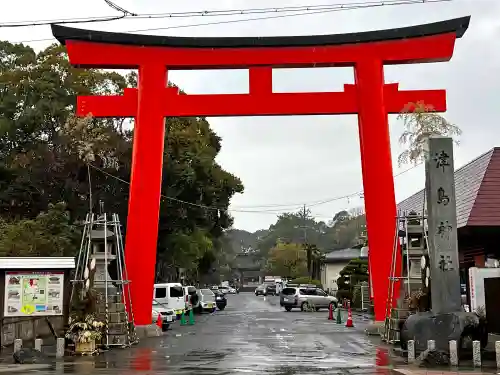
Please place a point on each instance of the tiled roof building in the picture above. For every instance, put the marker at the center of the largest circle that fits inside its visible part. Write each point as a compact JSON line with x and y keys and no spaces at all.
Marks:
{"x":477,"y":187}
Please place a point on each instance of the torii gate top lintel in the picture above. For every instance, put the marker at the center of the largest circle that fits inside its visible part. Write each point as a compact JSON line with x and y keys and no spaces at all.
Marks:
{"x":458,"y":26}
{"x":276,"y":51}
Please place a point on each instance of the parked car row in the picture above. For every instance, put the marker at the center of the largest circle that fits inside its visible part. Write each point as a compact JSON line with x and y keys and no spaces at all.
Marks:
{"x":224,"y":289}
{"x":302,"y":296}
{"x":171,"y":300}
{"x":265,"y":290}
{"x":306,"y":297}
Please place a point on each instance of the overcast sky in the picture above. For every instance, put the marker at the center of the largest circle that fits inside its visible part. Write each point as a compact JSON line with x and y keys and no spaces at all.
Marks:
{"x":290,"y":161}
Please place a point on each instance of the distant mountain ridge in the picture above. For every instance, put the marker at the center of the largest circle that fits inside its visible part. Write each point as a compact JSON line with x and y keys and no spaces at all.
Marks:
{"x":346,"y":229}
{"x":251,"y":250}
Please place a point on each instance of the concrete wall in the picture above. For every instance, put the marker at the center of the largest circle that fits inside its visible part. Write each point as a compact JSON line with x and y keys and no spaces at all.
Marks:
{"x":28,"y":329}
{"x":330,"y":274}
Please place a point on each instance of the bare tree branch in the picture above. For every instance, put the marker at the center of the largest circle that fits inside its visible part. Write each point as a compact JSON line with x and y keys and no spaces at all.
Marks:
{"x":420,"y":123}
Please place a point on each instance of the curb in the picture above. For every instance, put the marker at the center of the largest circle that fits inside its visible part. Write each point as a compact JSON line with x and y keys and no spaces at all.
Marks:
{"x":437,"y":371}
{"x":24,"y":368}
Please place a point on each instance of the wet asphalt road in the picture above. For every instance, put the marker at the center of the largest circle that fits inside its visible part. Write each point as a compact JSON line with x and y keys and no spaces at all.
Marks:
{"x":252,"y":335}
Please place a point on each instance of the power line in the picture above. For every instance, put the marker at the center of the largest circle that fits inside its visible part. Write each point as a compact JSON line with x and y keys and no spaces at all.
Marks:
{"x":324,"y":201}
{"x":240,"y":20}
{"x":196,"y":25}
{"x":215,"y":13}
{"x":72,"y":21}
{"x":359,"y":193}
{"x":125,"y":14}
{"x":247,"y":211}
{"x":297,"y":8}
{"x":119,"y":8}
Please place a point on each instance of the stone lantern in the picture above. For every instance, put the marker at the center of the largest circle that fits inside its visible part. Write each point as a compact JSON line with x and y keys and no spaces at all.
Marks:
{"x":104,"y":252}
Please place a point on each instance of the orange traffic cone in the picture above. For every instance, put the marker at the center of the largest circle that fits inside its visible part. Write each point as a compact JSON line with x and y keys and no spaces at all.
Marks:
{"x":348,"y":322}
{"x":382,"y":357}
{"x":330,"y":311}
{"x":159,"y":322}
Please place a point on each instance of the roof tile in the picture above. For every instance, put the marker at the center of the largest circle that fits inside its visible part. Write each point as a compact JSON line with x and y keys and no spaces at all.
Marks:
{"x":468,"y":181}
{"x":343,"y":255}
{"x":486,"y":208}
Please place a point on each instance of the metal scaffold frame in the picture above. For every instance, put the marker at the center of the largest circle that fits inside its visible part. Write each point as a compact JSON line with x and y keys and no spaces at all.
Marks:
{"x":390,"y":335}
{"x":86,"y":269}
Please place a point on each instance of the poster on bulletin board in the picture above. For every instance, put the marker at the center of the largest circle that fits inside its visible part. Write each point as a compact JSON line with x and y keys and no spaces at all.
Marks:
{"x":33,"y":293}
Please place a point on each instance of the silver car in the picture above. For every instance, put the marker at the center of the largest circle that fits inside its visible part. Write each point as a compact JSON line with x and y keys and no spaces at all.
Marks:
{"x":227,"y":290}
{"x":305,"y":297}
{"x":206,"y":301}
{"x":260,"y":290}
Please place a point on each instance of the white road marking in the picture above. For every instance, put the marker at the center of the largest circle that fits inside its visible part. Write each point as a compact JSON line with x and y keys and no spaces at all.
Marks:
{"x":268,"y":361}
{"x":282,"y":342}
{"x":244,"y":370}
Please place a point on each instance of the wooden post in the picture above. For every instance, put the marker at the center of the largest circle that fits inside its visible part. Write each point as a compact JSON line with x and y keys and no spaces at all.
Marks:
{"x":431,"y":345}
{"x":476,"y":353}
{"x":411,"y":351}
{"x":60,"y":347}
{"x":18,"y":345}
{"x":497,"y":352}
{"x":453,"y":353}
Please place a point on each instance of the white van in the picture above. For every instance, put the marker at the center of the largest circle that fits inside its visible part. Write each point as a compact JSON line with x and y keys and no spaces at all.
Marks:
{"x":170,"y":295}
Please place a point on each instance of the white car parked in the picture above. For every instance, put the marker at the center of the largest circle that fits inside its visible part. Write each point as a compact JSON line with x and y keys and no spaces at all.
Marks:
{"x":170,"y":295}
{"x":207,"y":301}
{"x":227,"y":290}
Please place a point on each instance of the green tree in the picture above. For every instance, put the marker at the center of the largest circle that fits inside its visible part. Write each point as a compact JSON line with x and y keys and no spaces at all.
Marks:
{"x":299,"y":227}
{"x":49,"y":234}
{"x":346,"y":230}
{"x":38,"y":93}
{"x":421,"y":122}
{"x":47,"y":156}
{"x":191,"y":149}
{"x":287,"y":260}
{"x":340,"y":216}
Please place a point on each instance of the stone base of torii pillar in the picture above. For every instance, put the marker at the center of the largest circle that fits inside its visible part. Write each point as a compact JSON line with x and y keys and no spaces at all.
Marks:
{"x":442,"y":328}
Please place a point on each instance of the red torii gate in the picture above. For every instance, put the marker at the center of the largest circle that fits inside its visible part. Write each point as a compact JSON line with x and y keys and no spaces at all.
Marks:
{"x":152,"y":101}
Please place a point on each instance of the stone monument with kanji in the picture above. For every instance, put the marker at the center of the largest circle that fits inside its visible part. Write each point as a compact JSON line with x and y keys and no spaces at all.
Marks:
{"x":447,"y":320}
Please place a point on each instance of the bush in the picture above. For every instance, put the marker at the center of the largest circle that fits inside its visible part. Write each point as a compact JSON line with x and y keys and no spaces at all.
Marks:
{"x":356,"y":297}
{"x":306,"y":280}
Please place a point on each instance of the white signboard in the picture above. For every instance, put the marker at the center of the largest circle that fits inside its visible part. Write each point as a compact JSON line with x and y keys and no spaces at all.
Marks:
{"x":33,"y":293}
{"x":476,"y":285}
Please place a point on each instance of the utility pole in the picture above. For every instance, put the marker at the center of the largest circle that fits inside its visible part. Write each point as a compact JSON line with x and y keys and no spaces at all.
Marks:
{"x":306,"y":246}
{"x":304,"y":226}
